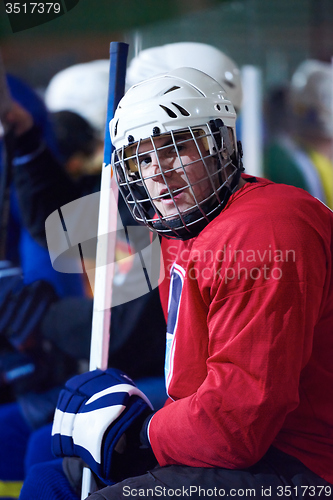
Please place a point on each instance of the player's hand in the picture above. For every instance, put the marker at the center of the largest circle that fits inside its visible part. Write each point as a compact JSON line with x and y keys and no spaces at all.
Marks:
{"x":94,"y":411}
{"x":18,"y":119}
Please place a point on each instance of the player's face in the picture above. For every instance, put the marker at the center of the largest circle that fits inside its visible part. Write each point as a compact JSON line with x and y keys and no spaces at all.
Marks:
{"x":181,"y":173}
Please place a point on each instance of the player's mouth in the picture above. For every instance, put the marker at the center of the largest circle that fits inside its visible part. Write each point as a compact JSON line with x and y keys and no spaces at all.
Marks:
{"x":165,"y":195}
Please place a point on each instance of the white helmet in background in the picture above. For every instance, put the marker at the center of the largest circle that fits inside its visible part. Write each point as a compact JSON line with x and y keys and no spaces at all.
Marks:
{"x":201,"y":56}
{"x":164,"y":115}
{"x":82,"y":89}
{"x":311,"y":97}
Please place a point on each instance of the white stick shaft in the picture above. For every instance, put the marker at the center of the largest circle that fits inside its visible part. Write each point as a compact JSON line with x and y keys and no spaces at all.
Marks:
{"x":107,"y":225}
{"x":86,"y":483}
{"x":105,"y":259}
{"x":251,"y":124}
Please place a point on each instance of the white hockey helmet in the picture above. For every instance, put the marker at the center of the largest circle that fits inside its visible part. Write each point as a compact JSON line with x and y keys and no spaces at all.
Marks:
{"x":311,"y":97}
{"x":183,"y":106}
{"x":82,"y":89}
{"x":212,"y":61}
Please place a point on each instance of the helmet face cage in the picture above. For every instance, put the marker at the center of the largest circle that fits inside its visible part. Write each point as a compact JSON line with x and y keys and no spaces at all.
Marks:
{"x":213,"y":154}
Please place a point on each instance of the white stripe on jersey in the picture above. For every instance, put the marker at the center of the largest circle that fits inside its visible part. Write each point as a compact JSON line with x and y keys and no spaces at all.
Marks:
{"x":176,"y":286}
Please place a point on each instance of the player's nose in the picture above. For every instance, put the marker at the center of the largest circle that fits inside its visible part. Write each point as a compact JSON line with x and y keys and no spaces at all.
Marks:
{"x":160,"y":166}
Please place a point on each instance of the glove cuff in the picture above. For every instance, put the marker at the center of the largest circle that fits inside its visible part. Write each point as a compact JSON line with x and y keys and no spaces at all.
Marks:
{"x":144,"y":437}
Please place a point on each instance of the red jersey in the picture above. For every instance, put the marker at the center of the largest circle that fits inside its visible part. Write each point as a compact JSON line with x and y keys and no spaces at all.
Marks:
{"x":249,"y":358}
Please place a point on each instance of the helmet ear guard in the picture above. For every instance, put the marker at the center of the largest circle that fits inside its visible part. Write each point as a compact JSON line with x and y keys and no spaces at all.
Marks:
{"x":223,"y":141}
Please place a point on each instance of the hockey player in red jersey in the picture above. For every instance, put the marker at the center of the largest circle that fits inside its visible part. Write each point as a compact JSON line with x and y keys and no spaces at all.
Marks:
{"x":249,"y":303}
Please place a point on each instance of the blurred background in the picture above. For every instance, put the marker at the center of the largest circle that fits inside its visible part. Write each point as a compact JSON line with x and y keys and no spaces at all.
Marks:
{"x":274,"y":35}
{"x":268,"y":39}
{"x":285,"y":123}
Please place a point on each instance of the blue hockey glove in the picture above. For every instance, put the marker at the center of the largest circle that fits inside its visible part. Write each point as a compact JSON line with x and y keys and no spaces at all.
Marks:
{"x":94,"y":410}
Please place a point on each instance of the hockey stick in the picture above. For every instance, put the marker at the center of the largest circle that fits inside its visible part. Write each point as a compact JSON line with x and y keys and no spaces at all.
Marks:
{"x":107,"y":224}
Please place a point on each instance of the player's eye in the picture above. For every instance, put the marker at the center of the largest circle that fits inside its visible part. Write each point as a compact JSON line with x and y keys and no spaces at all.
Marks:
{"x":180,"y":147}
{"x":145,"y":161}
